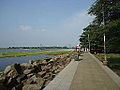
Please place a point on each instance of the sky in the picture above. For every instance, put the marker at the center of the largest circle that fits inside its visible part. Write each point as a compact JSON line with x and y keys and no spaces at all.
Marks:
{"x":43,"y":22}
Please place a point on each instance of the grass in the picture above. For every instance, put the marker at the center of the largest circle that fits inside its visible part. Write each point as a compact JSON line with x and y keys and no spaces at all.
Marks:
{"x":18,"y":54}
{"x":101,"y":56}
{"x":113,"y":61}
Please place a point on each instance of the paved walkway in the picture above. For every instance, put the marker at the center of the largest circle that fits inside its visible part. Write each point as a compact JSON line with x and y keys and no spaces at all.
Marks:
{"x":63,"y":80}
{"x":87,"y":74}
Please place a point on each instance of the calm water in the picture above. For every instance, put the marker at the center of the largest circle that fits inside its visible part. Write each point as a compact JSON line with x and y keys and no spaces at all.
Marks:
{"x":23,"y":59}
{"x":25,"y":50}
{"x":18,"y":50}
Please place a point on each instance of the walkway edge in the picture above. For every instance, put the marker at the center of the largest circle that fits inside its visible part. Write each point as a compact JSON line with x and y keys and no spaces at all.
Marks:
{"x":113,"y":75}
{"x":63,"y":80}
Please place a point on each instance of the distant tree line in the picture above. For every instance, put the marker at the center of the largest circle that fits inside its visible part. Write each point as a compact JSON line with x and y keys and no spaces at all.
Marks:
{"x":107,"y":20}
{"x":54,"y":47}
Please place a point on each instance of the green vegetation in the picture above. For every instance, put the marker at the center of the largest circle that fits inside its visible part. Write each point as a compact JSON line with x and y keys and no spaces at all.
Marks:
{"x":18,"y":54}
{"x":113,"y":60}
{"x":107,"y":20}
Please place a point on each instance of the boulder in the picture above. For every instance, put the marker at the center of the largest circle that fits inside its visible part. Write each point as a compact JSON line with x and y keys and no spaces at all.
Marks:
{"x":26,"y":66}
{"x":11,"y":83}
{"x":12,"y":74}
{"x":30,"y":75}
{"x":35,"y":80}
{"x":2,"y":79}
{"x":37,"y":68}
{"x":21,"y":78}
{"x":48,"y":59}
{"x":44,"y":62}
{"x":2,"y":87}
{"x":28,"y":71}
{"x":7,"y":70}
{"x":34,"y":75}
{"x":17,"y":87}
{"x":12,"y":71}
{"x":31,"y":87}
{"x":42,"y":73}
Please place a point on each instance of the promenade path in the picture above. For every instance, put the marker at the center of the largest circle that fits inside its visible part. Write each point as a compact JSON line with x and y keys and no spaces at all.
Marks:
{"x":86,"y":74}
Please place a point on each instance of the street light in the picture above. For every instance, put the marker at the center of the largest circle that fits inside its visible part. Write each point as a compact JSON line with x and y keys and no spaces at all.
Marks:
{"x":105,"y":61}
{"x":89,"y":41}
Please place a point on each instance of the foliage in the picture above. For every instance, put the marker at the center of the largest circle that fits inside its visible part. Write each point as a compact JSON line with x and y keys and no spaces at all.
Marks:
{"x":113,"y":60}
{"x":107,"y":20}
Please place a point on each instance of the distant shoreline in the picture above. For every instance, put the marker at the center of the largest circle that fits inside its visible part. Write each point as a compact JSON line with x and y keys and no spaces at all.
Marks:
{"x":44,"y":47}
{"x":24,"y":53}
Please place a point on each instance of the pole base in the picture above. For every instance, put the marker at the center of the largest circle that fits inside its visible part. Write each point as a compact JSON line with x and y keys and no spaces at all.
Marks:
{"x":105,"y":62}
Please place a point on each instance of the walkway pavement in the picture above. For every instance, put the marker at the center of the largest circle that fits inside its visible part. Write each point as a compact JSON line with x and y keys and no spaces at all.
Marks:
{"x":63,"y":80}
{"x":87,"y":74}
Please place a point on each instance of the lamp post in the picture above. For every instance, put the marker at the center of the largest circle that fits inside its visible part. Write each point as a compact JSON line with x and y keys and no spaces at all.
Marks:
{"x":89,"y":41}
{"x":105,"y":58}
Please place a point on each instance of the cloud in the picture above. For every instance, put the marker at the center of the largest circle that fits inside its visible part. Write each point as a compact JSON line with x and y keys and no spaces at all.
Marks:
{"x":29,"y":28}
{"x":43,"y":30}
{"x":25,"y":27}
{"x":73,"y":26}
{"x":78,"y":21}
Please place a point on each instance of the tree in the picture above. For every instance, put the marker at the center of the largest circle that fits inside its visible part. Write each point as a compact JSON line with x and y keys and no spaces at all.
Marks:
{"x":107,"y":11}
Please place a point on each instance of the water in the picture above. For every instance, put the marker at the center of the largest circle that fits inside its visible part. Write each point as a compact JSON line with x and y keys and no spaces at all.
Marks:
{"x":25,"y":50}
{"x":23,"y":59}
{"x":18,"y":50}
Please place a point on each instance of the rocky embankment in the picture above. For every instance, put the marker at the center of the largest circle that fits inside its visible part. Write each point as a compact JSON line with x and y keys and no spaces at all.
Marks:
{"x":34,"y":75}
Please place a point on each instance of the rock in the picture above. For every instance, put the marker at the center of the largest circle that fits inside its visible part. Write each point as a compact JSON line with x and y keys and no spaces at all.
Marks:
{"x":51,"y":61}
{"x":26,"y":66}
{"x":21,"y":78}
{"x":46,"y":75}
{"x":32,"y":87}
{"x":42,"y":73}
{"x":31,"y":62}
{"x":2,"y":87}
{"x":2,"y":79}
{"x":44,"y":62}
{"x":34,"y":75}
{"x":17,"y":87}
{"x":7,"y":70}
{"x":54,"y":68}
{"x":31,"y":80}
{"x":28,"y":71}
{"x":46,"y":68}
{"x":13,"y":71}
{"x":46,"y":82}
{"x":37,"y":68}
{"x":30,"y":75}
{"x":48,"y":59}
{"x":17,"y":67}
{"x":40,"y":81}
{"x":12,"y":74}
{"x":11,"y":83}
{"x":35,"y":80}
